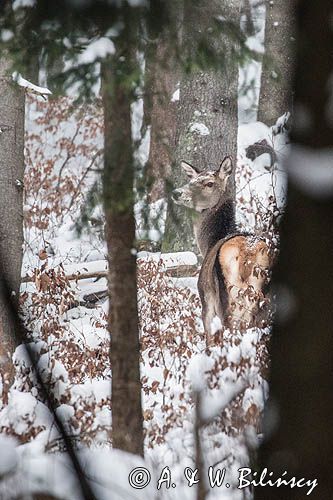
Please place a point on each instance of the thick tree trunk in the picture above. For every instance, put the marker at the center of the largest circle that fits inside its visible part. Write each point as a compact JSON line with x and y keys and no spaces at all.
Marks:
{"x":11,"y":208}
{"x":162,"y":75}
{"x":207,"y":112}
{"x":299,"y":436}
{"x":118,"y":195}
{"x":275,"y":90}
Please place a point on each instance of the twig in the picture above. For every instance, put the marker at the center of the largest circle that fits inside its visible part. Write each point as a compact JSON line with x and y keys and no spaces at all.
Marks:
{"x":68,"y":157}
{"x":89,"y":168}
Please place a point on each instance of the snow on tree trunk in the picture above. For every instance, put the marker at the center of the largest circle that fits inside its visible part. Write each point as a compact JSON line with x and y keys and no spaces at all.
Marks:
{"x":207,"y":113}
{"x":118,"y":197}
{"x":11,"y":207}
{"x":275,"y":92}
{"x":299,"y":429}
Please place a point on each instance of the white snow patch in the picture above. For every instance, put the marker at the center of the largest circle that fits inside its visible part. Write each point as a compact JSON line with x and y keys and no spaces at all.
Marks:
{"x":253,"y":396}
{"x":179,"y":258}
{"x":216,"y":400}
{"x":141,"y":154}
{"x":136,"y":118}
{"x":170,"y":259}
{"x":199,"y":128}
{"x":250,"y":71}
{"x":215,"y":325}
{"x":50,"y":369}
{"x":94,"y":266}
{"x":108,"y":471}
{"x":65,"y":412}
{"x":248,"y":344}
{"x":281,"y":123}
{"x":8,"y":455}
{"x":6,"y":35}
{"x":97,"y":390}
{"x":21,"y":355}
{"x":17,"y":4}
{"x":255,"y":44}
{"x":24,"y":412}
{"x":250,"y":133}
{"x":197,"y":369}
{"x":234,"y":354}
{"x":98,"y":49}
{"x":267,"y":176}
{"x":175,"y":96}
{"x":22,"y":82}
{"x":191,"y":283}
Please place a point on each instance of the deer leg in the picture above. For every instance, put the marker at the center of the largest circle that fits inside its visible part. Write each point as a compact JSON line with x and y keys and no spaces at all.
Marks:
{"x":209,"y":296}
{"x":208,"y":314}
{"x":229,"y":261}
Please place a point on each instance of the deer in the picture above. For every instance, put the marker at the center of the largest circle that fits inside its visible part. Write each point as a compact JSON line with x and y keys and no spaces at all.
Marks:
{"x":234,"y":262}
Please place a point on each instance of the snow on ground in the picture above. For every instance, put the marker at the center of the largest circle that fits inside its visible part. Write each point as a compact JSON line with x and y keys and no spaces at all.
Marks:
{"x":53,"y":474}
{"x":171,"y":259}
{"x":261,"y":182}
{"x":71,"y":341}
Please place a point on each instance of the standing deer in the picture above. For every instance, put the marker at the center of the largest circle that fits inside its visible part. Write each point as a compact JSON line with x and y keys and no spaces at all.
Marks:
{"x":235,"y":263}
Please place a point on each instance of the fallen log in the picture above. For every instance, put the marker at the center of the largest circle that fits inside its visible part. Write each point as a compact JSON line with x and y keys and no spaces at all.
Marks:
{"x":179,"y":271}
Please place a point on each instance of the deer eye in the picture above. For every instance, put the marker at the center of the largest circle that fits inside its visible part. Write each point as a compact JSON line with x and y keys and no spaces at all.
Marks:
{"x":210,"y":184}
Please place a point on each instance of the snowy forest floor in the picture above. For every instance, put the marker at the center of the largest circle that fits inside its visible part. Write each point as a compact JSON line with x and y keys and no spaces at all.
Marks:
{"x":71,"y":341}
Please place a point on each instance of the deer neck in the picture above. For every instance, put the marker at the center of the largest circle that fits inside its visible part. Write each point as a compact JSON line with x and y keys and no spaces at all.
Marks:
{"x":214,"y":224}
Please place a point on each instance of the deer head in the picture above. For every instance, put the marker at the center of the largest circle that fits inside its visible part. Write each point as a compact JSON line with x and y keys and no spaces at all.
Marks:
{"x":205,"y":189}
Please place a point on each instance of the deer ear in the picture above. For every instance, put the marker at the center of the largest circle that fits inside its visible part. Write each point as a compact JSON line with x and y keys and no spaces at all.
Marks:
{"x":226,"y":167}
{"x":190,"y":171}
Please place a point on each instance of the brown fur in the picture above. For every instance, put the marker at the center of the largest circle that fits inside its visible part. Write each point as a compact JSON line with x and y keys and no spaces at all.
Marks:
{"x":235,"y":265}
{"x":244,"y":264}
{"x":231,"y":281}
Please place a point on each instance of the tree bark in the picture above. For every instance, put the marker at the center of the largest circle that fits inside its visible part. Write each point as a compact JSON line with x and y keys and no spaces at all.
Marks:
{"x":275,"y":90}
{"x":162,"y":75}
{"x":12,"y":102}
{"x":118,"y":178}
{"x":299,"y":435}
{"x":207,"y":113}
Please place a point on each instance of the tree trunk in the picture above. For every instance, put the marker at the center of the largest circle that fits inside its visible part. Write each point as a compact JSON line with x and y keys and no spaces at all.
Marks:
{"x":118,"y":196}
{"x":11,"y":208}
{"x":207,"y":113}
{"x":162,"y":75}
{"x":299,"y":416}
{"x":275,"y":91}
